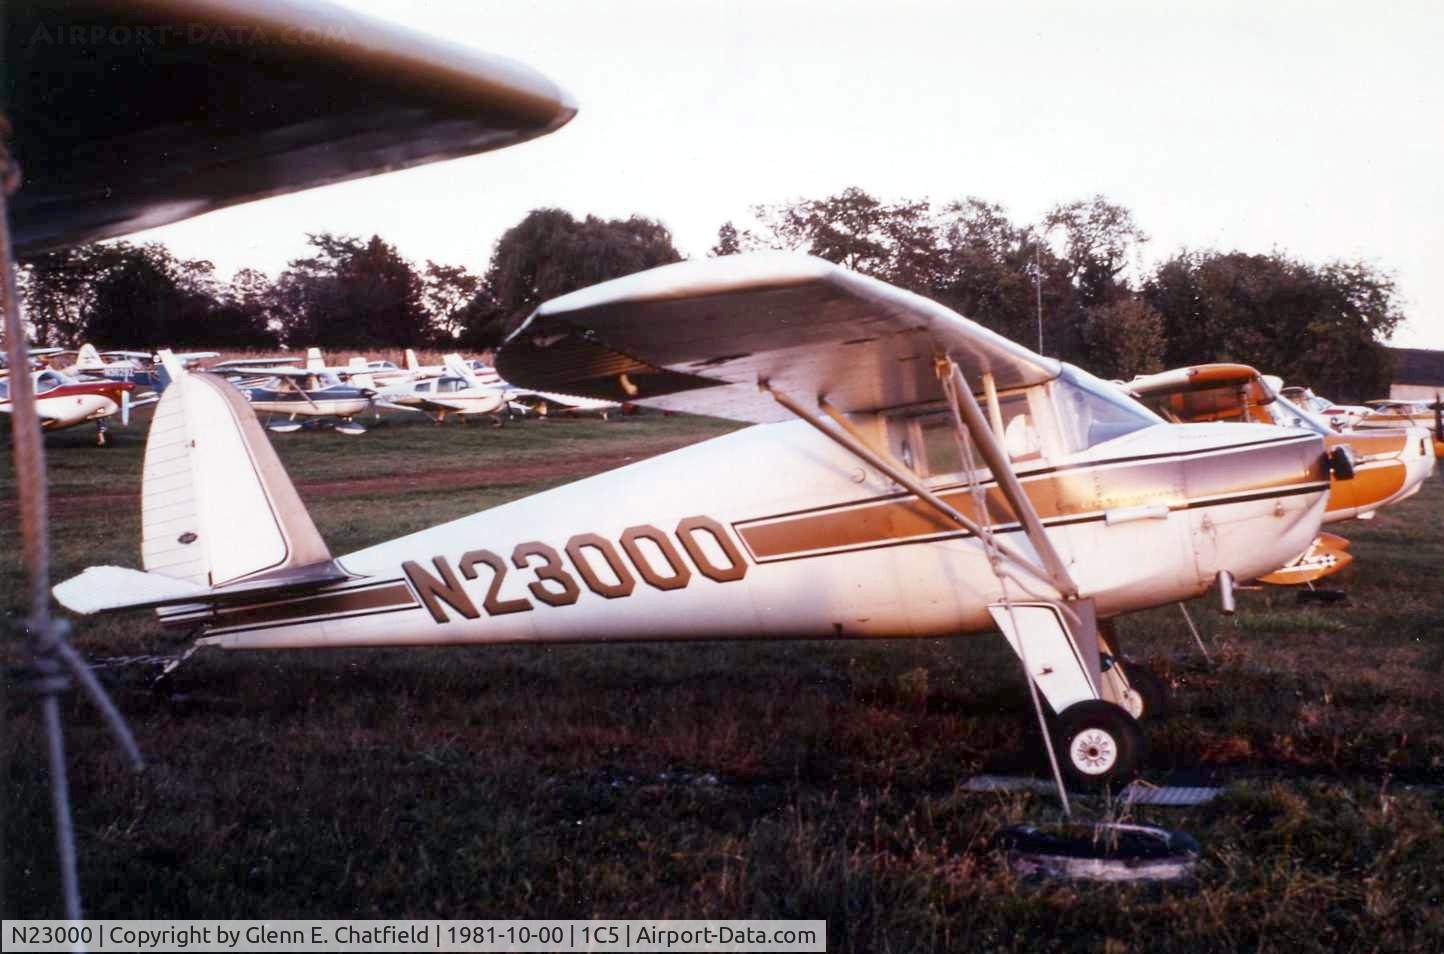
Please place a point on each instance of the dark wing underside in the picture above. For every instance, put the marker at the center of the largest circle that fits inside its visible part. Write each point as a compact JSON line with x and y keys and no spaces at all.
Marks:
{"x":132,"y":115}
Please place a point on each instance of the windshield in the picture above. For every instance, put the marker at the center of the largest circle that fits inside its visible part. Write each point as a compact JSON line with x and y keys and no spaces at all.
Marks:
{"x":1092,"y":411}
{"x":1288,"y":414}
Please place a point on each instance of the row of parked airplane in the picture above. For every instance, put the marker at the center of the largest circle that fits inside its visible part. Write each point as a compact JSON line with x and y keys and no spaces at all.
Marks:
{"x":100,"y":385}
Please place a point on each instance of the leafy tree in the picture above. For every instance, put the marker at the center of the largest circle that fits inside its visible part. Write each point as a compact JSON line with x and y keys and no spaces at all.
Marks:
{"x":58,"y":289}
{"x":1123,"y":338}
{"x":550,"y":253}
{"x":447,"y":290}
{"x":987,"y":269}
{"x":893,"y":241}
{"x":1320,"y":326}
{"x":148,"y":298}
{"x":728,"y":241}
{"x":351,"y":293}
{"x":1099,"y":239}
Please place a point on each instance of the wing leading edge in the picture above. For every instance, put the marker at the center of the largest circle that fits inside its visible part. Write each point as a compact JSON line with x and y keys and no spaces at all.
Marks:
{"x":131,"y":115}
{"x":698,"y":336}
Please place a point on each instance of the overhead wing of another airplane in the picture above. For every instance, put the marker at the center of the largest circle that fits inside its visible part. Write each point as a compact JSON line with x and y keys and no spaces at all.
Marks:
{"x":698,"y":336}
{"x":132,"y":115}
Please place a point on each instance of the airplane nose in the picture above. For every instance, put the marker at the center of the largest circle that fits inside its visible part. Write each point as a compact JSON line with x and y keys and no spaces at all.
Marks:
{"x":1258,"y":504}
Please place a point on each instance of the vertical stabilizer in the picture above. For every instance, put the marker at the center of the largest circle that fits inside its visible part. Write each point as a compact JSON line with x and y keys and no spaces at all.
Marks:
{"x":411,"y":363}
{"x":458,"y":367}
{"x":358,"y":373}
{"x":88,"y":359}
{"x":216,"y":505}
{"x":314,"y":361}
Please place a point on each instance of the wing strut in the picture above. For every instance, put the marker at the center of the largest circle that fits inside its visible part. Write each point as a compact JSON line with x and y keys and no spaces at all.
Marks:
{"x":967,"y":416}
{"x":847,"y":436}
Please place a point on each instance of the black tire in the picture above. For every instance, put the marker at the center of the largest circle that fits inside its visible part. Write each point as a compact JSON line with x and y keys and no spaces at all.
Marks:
{"x":1152,"y":690}
{"x":1098,"y":745}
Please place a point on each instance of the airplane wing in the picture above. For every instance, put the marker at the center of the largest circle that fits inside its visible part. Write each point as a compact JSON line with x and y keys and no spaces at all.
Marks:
{"x":207,"y":103}
{"x":697,"y":336}
{"x":267,"y":371}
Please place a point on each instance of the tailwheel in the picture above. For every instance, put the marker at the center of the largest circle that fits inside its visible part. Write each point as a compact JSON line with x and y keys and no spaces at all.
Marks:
{"x":1099,"y":745}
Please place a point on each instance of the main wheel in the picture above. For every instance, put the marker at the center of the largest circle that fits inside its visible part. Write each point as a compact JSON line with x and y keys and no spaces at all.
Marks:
{"x":1147,"y":697}
{"x":1098,"y":744}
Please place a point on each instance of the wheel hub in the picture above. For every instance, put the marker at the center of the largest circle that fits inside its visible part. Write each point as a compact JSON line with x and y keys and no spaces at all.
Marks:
{"x":1094,"y":751}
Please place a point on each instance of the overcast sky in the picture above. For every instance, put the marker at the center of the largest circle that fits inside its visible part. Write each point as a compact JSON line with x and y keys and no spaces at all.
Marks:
{"x":1316,"y":128}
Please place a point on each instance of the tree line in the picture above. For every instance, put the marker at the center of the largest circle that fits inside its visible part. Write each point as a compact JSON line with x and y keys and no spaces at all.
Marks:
{"x":1079,"y":267}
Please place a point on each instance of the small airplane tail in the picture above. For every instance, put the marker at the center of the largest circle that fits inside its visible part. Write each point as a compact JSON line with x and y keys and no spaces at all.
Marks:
{"x":458,"y":367}
{"x":359,"y":373}
{"x":411,"y":363}
{"x":220,"y":518}
{"x":314,"y":361}
{"x":88,"y":359}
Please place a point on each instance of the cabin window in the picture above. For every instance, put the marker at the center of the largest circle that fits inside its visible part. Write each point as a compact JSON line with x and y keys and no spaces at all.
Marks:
{"x":939,"y":444}
{"x":48,"y":381}
{"x":4,"y":388}
{"x":1092,"y":412}
{"x":1020,"y":427}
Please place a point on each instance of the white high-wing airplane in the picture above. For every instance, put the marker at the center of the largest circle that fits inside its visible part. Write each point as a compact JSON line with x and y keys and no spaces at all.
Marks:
{"x":457,"y":393}
{"x":912,"y":474}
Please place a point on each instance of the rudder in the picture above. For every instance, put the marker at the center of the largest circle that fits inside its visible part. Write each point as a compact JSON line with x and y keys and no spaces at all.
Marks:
{"x":217,"y":507}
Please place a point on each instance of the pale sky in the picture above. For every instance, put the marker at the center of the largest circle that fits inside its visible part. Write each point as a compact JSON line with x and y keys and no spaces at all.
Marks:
{"x":1315,"y":128}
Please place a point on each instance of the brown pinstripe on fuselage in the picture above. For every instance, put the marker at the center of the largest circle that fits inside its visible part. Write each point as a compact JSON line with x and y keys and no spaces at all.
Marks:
{"x":1061,"y":495}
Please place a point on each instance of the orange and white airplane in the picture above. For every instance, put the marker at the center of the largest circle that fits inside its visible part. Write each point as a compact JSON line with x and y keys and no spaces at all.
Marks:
{"x":1390,"y":414}
{"x":911,"y":474}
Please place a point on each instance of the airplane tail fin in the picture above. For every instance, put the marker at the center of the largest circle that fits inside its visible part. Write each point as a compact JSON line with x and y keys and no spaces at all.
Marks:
{"x":359,"y":373}
{"x":458,"y":367}
{"x":411,"y":363}
{"x":217,"y":506}
{"x":314,"y":361}
{"x":220,"y":519}
{"x":88,"y":359}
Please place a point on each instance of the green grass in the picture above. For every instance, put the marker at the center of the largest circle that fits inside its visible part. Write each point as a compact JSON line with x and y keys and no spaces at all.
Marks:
{"x":733,"y":779}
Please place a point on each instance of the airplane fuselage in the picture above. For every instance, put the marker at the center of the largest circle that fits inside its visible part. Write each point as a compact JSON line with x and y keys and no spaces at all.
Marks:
{"x":775,"y":532}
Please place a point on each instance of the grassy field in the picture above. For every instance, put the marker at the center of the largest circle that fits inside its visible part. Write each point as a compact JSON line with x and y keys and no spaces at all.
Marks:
{"x":810,"y":780}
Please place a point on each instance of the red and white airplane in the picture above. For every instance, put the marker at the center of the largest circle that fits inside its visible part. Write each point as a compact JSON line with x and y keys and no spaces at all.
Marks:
{"x":63,"y":401}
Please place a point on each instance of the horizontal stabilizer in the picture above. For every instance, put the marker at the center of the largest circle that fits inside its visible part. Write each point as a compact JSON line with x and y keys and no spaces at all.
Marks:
{"x":100,"y":589}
